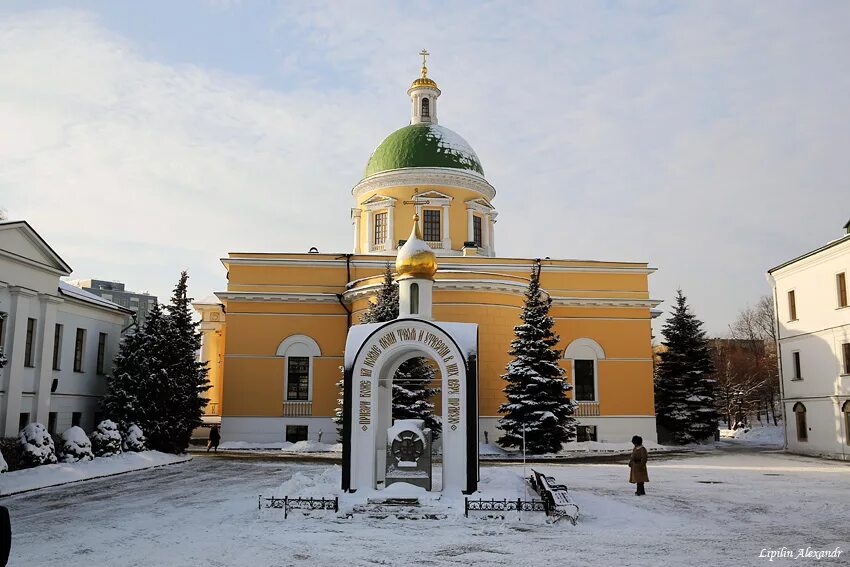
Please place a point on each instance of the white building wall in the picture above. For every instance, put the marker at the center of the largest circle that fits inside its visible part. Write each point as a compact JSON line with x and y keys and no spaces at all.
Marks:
{"x":820,"y":329}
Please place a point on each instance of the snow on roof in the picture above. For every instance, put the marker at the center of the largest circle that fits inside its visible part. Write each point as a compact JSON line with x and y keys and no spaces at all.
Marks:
{"x":211,"y":299}
{"x":74,"y":292}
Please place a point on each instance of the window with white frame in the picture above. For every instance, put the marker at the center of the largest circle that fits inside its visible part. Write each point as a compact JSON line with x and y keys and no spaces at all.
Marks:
{"x":299,"y":352}
{"x":431,"y":225}
{"x":585,"y":354}
{"x":380,"y":235}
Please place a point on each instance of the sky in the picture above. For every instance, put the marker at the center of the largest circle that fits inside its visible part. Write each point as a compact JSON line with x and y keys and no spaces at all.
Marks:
{"x":709,"y":139}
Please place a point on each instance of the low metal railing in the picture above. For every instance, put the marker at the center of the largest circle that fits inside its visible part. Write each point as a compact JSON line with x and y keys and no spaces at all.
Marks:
{"x":287,"y":503}
{"x":493,"y":505}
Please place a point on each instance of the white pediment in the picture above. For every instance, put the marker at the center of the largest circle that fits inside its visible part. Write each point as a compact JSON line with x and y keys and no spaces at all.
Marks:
{"x":19,"y":242}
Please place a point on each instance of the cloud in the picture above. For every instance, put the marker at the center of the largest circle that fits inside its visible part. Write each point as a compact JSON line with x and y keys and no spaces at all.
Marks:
{"x":706,"y":138}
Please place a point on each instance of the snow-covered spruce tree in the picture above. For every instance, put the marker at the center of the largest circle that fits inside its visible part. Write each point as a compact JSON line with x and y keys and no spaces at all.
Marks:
{"x":106,"y":439}
{"x":685,"y":405}
{"x":131,"y":385}
{"x":182,"y":380}
{"x":76,"y":446}
{"x":134,"y":439}
{"x":35,"y":446}
{"x":536,"y":389}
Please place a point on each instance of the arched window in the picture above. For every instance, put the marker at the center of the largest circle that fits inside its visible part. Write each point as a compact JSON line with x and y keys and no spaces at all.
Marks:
{"x":426,"y":108}
{"x":414,"y":299}
{"x":846,"y":410}
{"x":585,"y":354}
{"x":298,"y":352}
{"x":800,"y":415}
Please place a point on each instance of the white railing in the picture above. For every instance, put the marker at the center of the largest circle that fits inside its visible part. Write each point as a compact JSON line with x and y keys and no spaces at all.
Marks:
{"x":586,"y":409}
{"x":436,"y":245}
{"x":378,"y":247}
{"x":297,"y":409}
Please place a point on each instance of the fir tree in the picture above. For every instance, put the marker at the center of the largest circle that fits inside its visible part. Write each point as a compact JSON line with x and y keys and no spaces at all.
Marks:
{"x":684,"y":387}
{"x":385,"y":306}
{"x":536,"y":389}
{"x":158,"y":382}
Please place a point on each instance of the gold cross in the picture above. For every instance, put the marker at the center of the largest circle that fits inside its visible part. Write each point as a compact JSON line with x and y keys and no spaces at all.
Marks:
{"x":424,"y":54}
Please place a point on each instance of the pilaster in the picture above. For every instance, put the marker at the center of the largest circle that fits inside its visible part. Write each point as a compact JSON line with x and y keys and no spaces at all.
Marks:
{"x":14,"y":371}
{"x":44,"y":365}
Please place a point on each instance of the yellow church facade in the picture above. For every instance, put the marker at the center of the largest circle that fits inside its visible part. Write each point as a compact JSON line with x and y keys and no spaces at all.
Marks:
{"x":274,"y":340}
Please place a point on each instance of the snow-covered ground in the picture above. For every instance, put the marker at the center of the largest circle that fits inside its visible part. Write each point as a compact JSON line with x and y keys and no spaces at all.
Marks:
{"x":773,"y":435}
{"x":63,"y":473}
{"x":720,"y":508}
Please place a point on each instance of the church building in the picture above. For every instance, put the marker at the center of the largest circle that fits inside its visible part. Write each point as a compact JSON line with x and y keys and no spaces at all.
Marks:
{"x":275,"y":338}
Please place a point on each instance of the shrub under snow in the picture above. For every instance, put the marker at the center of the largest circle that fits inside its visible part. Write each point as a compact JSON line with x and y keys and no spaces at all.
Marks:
{"x":106,"y":439}
{"x":134,"y":440}
{"x":36,"y":446}
{"x":75,"y":446}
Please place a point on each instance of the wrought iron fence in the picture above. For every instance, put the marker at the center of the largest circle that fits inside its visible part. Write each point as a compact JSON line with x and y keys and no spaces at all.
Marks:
{"x":287,"y":503}
{"x":493,"y":505}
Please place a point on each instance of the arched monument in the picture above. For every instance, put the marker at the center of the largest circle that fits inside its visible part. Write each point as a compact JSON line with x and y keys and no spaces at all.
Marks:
{"x":373,"y":353}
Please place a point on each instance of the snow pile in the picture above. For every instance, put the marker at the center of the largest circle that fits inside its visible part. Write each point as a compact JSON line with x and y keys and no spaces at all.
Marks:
{"x":75,"y":446}
{"x":106,"y":439}
{"x":63,"y":473}
{"x":761,"y":435}
{"x":3,"y":466}
{"x":36,"y":446}
{"x":135,"y":441}
{"x":312,"y":485}
{"x":490,"y":449}
{"x":286,"y":447}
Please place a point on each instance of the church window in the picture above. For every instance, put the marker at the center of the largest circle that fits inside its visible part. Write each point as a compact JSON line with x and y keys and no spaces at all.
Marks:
{"x":584,"y":382}
{"x":426,"y":108}
{"x":380,"y":228}
{"x":845,"y":351}
{"x":298,"y":378}
{"x":29,"y":349}
{"x":414,"y":299}
{"x":431,"y":225}
{"x":792,"y":306}
{"x":476,"y":231}
{"x":800,"y":414}
{"x":841,"y":284}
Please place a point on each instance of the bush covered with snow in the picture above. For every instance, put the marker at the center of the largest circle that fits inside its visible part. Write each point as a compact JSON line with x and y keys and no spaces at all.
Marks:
{"x":106,"y":439}
{"x":35,"y":446}
{"x":76,"y":446}
{"x":134,"y":439}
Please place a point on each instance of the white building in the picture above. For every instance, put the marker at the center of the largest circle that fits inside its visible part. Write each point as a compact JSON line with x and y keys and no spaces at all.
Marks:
{"x":813,"y":331}
{"x":59,"y":340}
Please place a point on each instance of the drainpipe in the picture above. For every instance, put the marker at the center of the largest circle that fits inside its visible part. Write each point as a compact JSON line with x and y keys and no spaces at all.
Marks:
{"x":347,"y":281}
{"x":779,"y":362}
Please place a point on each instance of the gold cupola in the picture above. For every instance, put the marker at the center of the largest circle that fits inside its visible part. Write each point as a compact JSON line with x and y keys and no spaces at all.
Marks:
{"x":415,"y":258}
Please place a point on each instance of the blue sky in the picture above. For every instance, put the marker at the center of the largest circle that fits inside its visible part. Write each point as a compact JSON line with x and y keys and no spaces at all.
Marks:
{"x":708,"y":138}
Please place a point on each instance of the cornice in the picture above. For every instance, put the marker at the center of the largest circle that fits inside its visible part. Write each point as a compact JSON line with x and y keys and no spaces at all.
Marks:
{"x":440,"y":176}
{"x":454,"y":266}
{"x":277,"y":297}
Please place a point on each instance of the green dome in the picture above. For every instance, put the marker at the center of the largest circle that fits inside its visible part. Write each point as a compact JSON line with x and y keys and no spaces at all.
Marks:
{"x":423,"y":145}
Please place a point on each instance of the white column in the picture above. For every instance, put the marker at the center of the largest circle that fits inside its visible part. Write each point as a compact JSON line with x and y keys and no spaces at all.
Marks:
{"x":17,"y":325}
{"x":493,"y":237}
{"x":485,"y":234}
{"x":44,"y":373}
{"x":369,"y":230}
{"x":447,"y":239}
{"x":470,"y":234}
{"x":391,"y":240}
{"x":355,"y":220}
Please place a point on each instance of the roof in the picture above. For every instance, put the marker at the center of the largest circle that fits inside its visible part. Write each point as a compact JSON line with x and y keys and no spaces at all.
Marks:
{"x":826,"y":246}
{"x":56,"y":263}
{"x":74,"y":292}
{"x":208,"y":300}
{"x":423,"y":145}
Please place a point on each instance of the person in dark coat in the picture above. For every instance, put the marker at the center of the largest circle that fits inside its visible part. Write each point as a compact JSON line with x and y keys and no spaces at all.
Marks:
{"x":637,"y":464}
{"x":215,"y":437}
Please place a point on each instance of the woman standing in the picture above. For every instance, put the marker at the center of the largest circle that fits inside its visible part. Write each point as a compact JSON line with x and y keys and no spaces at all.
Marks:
{"x":637,"y":463}
{"x":215,"y":437}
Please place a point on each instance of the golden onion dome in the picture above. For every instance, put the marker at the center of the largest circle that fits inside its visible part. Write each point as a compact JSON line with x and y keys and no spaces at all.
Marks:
{"x":415,"y":258}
